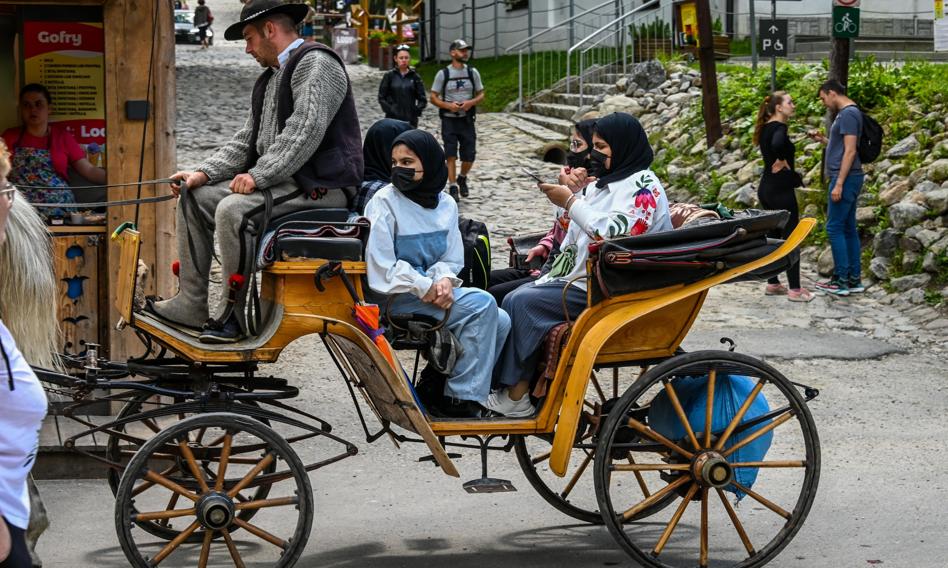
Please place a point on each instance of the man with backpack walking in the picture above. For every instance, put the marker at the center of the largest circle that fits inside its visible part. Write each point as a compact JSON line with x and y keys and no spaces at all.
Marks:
{"x":456,"y":91}
{"x":843,"y":164}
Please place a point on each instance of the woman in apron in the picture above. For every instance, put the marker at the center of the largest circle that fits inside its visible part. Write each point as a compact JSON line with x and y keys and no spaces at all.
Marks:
{"x":42,"y":153}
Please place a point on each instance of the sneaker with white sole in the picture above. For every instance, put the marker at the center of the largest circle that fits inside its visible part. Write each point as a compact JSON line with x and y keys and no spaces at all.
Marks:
{"x":856,"y":286}
{"x":501,"y":403}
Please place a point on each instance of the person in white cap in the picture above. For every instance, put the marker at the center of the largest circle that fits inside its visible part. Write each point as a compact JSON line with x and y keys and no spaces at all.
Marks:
{"x":456,"y":91}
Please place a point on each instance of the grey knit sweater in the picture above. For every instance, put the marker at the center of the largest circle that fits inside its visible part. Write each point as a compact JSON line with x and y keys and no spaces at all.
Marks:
{"x":319,"y":86}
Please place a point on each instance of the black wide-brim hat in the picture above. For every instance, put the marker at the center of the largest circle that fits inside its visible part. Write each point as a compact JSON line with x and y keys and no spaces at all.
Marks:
{"x":256,"y":9}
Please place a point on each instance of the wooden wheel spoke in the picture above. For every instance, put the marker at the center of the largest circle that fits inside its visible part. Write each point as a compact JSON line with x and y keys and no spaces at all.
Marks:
{"x":149,"y":484}
{"x":709,"y":409}
{"x":222,"y":468}
{"x":652,"y":434}
{"x":676,"y":404}
{"x":579,"y":473}
{"x":205,"y":548}
{"x":740,"y":415}
{"x":193,"y":465}
{"x":175,"y":543}
{"x":770,"y":464}
{"x":595,"y":382}
{"x":172,"y":503}
{"x":763,"y":501}
{"x":655,"y":497}
{"x":673,"y":522}
{"x":737,"y":524}
{"x":200,"y":435}
{"x":259,"y":532}
{"x":651,"y":467}
{"x":232,"y":548}
{"x":263,"y":464}
{"x":703,"y":546}
{"x":162,"y":515}
{"x":639,"y":478}
{"x":758,"y":433}
{"x":265,"y":503}
{"x":170,"y":485}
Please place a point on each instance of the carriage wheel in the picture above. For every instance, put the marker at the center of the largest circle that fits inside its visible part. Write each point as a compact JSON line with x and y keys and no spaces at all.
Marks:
{"x":120,"y":451}
{"x":209,"y":504}
{"x":574,"y":494}
{"x":708,"y":466}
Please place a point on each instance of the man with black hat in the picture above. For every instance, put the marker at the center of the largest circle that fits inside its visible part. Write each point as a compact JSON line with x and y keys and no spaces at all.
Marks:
{"x":456,"y":91}
{"x":300,"y":148}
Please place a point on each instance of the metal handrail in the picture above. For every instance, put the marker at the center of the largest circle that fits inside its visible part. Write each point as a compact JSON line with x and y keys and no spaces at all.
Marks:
{"x":551,"y":28}
{"x":615,"y":22}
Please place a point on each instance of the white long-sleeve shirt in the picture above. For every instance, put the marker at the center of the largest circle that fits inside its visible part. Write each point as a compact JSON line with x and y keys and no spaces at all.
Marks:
{"x":410,"y":247}
{"x":632,"y":206}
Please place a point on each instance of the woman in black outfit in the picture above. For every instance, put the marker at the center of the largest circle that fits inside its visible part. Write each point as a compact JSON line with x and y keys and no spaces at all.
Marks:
{"x":402,"y":92}
{"x":778,"y":182}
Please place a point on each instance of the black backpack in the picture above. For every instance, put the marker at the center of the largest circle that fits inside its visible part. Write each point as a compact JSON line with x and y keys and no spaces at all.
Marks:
{"x":476,"y":240}
{"x":444,"y":89}
{"x":870,"y":140}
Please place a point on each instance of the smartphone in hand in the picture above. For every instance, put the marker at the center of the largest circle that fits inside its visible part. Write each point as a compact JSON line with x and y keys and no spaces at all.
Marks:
{"x":533,"y":175}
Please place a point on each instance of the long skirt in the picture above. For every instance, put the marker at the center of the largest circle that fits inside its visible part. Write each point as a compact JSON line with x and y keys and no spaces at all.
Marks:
{"x":534,"y":310}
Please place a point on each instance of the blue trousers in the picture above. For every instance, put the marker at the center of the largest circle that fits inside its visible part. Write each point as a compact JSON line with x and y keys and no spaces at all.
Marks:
{"x":841,"y":230}
{"x":481,"y":328}
{"x":534,"y":310}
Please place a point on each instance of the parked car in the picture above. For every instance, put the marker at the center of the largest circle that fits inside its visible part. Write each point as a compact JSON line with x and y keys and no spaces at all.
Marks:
{"x":185,"y":31}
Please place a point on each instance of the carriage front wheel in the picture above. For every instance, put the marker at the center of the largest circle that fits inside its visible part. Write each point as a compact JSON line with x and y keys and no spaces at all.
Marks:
{"x":211,"y":503}
{"x":731,"y":440}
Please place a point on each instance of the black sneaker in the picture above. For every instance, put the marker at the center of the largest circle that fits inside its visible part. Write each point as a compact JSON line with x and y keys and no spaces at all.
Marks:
{"x":453,"y":192}
{"x":856,"y":286}
{"x":219,"y":333}
{"x":462,"y":183}
{"x":450,"y":407}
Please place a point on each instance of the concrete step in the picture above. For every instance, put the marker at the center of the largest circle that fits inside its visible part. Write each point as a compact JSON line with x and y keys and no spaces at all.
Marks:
{"x":564,"y":112}
{"x":547,"y":122}
{"x":909,"y":45}
{"x":534,"y":126}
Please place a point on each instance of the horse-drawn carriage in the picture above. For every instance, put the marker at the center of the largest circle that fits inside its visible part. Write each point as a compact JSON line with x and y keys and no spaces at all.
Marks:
{"x":630,"y":431}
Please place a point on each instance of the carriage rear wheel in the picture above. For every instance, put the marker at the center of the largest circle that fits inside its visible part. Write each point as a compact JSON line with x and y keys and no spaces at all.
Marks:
{"x":574,"y":494}
{"x":119,"y":450}
{"x":719,"y":427}
{"x":209,"y":504}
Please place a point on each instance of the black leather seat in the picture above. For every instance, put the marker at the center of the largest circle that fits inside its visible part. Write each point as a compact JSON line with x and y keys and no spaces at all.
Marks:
{"x":315,"y":233}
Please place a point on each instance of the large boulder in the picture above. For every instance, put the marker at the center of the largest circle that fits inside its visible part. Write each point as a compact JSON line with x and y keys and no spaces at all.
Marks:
{"x":727,"y":188}
{"x":903,"y":147}
{"x":879,"y":267}
{"x":745,"y":195}
{"x":925,"y":186}
{"x":865,"y":216}
{"x":824,"y":264}
{"x":910,"y":282}
{"x":678,"y":99}
{"x":928,"y":237}
{"x":886,"y":243}
{"x":620,"y":103}
{"x":894,"y":193}
{"x":938,"y":171}
{"x":905,"y":214}
{"x":749,"y":172}
{"x":937,"y":200}
{"x":648,"y":74}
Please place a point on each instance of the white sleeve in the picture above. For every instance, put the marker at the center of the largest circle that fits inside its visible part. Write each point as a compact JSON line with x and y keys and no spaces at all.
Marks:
{"x":449,"y":265}
{"x":387,"y":274}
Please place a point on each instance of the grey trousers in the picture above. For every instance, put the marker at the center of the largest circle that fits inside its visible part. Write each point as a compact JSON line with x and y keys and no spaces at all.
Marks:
{"x":235,"y":219}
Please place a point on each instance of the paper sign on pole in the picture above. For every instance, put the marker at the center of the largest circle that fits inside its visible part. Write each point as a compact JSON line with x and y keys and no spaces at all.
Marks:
{"x":940,"y":27}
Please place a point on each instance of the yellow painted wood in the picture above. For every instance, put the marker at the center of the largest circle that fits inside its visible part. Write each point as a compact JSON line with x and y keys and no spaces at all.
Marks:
{"x":124,"y":280}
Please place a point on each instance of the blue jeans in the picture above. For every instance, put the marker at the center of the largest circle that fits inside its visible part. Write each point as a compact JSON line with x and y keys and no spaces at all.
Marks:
{"x":475,"y":320}
{"x":841,"y":230}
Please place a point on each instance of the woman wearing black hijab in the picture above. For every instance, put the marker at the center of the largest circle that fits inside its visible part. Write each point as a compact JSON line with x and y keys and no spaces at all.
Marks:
{"x":377,"y":157}
{"x":627,"y":199}
{"x":539,"y":258}
{"x":414,"y":254}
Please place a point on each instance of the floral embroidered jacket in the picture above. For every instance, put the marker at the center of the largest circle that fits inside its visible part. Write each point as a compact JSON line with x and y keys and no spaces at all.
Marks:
{"x":632,"y":206}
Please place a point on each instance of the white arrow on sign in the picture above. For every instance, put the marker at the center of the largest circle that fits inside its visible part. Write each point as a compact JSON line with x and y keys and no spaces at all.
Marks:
{"x":773,"y":29}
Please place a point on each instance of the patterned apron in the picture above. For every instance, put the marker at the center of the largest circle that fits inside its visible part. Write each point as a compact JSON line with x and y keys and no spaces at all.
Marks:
{"x":33,"y":166}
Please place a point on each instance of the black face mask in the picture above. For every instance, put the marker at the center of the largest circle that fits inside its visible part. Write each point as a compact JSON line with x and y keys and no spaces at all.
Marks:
{"x":597,"y":163}
{"x":404,"y":179}
{"x":577,"y":159}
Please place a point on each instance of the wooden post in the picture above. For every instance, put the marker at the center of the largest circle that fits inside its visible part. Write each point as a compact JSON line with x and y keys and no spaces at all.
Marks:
{"x":709,"y":77}
{"x":839,"y":59}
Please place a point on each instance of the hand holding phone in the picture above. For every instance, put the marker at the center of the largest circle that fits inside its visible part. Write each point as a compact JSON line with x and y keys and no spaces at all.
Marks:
{"x":533,"y":175}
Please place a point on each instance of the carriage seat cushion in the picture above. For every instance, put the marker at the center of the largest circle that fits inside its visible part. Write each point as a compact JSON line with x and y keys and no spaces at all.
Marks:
{"x":315,"y":233}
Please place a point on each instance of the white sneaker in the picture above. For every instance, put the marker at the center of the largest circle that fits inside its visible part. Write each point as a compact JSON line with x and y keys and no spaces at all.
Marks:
{"x":501,"y":403}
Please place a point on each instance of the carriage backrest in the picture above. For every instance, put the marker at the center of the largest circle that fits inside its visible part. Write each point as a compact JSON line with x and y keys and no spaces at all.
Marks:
{"x":129,"y":241}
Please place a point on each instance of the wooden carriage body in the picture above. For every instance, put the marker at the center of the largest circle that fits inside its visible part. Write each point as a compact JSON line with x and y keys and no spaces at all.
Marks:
{"x":619,"y":331}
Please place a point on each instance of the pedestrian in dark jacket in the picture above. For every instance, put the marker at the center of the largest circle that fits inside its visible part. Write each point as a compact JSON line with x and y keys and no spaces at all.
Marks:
{"x":402,"y":92}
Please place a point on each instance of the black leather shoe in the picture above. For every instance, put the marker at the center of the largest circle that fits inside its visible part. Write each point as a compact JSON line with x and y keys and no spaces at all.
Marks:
{"x":462,"y":184}
{"x":450,"y":407}
{"x":453,"y":192}
{"x":219,"y":333}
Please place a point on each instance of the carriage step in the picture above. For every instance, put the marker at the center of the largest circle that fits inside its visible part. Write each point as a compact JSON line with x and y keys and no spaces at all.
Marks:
{"x":489,"y":485}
